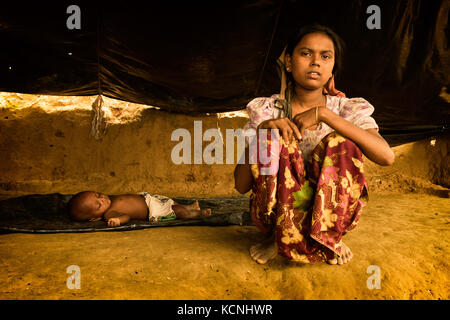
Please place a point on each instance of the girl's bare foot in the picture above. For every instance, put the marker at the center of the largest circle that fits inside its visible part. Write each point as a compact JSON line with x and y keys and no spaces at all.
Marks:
{"x":264,"y":251}
{"x":345,"y":257}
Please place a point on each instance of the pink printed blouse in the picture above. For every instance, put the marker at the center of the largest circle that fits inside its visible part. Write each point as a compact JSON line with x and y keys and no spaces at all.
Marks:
{"x":356,"y":110}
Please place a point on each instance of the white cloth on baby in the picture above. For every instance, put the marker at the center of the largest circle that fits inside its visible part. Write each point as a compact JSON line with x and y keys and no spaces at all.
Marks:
{"x":159,"y":207}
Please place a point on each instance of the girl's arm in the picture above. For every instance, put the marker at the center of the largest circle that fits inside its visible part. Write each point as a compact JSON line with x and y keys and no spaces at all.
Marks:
{"x":369,"y":141}
{"x":243,"y":178}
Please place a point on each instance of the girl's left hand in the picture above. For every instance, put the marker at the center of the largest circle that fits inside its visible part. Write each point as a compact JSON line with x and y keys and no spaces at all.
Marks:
{"x":306,"y":119}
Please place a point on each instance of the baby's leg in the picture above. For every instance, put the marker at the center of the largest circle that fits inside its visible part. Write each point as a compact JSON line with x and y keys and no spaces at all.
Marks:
{"x":192,"y":206}
{"x":181,"y":211}
{"x":186,"y":212}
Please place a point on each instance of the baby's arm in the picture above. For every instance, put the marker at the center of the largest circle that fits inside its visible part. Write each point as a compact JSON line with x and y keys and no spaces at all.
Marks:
{"x":115,"y":218}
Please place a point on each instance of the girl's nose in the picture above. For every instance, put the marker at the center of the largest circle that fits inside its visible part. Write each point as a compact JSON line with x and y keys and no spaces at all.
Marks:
{"x":315,"y":60}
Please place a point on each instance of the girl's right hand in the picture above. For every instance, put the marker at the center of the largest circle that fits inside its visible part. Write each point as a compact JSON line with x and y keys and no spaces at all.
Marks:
{"x":288,"y":129}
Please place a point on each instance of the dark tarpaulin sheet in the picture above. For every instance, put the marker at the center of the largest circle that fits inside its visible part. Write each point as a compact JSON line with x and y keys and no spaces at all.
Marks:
{"x":197,"y":57}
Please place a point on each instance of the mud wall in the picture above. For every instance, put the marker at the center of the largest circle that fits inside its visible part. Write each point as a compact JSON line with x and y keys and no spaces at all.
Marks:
{"x":53,"y":152}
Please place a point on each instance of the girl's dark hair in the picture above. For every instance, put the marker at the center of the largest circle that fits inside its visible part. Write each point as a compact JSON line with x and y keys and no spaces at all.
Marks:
{"x":317,"y":28}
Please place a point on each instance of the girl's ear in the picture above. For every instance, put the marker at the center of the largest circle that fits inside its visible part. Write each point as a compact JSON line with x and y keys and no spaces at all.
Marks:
{"x":287,"y":62}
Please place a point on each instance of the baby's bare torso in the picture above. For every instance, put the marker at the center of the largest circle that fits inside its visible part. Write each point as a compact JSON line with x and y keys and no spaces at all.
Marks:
{"x":132,"y":205}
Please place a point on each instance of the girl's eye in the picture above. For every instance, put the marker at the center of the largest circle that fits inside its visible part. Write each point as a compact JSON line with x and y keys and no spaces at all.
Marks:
{"x":304,"y":53}
{"x":326,"y":57}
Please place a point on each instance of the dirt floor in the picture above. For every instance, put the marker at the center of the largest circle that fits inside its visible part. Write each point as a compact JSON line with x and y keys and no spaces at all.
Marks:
{"x":405,"y":235}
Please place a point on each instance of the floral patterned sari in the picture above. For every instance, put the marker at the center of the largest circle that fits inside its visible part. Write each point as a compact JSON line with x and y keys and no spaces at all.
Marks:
{"x":309,"y":206}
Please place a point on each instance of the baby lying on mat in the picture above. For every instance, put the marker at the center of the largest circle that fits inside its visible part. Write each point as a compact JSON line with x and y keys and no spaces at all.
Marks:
{"x":119,"y":209}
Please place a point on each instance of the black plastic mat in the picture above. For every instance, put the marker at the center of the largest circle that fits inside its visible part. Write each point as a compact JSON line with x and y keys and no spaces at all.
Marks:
{"x":47,"y":213}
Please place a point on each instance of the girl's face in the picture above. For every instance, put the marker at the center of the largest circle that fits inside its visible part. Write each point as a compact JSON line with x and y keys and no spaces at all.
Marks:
{"x":312,"y":61}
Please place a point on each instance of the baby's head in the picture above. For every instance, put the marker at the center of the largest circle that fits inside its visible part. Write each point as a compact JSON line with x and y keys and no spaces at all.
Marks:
{"x":88,"y":206}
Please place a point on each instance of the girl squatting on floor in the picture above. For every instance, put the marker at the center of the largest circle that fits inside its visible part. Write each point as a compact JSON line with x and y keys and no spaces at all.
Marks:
{"x":319,"y":189}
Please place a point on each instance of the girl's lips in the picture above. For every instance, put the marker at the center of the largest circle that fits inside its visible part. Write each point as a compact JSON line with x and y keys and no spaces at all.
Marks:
{"x":313,"y":75}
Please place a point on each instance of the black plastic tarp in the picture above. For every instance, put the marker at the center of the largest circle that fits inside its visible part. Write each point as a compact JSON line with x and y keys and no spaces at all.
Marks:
{"x":197,"y":57}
